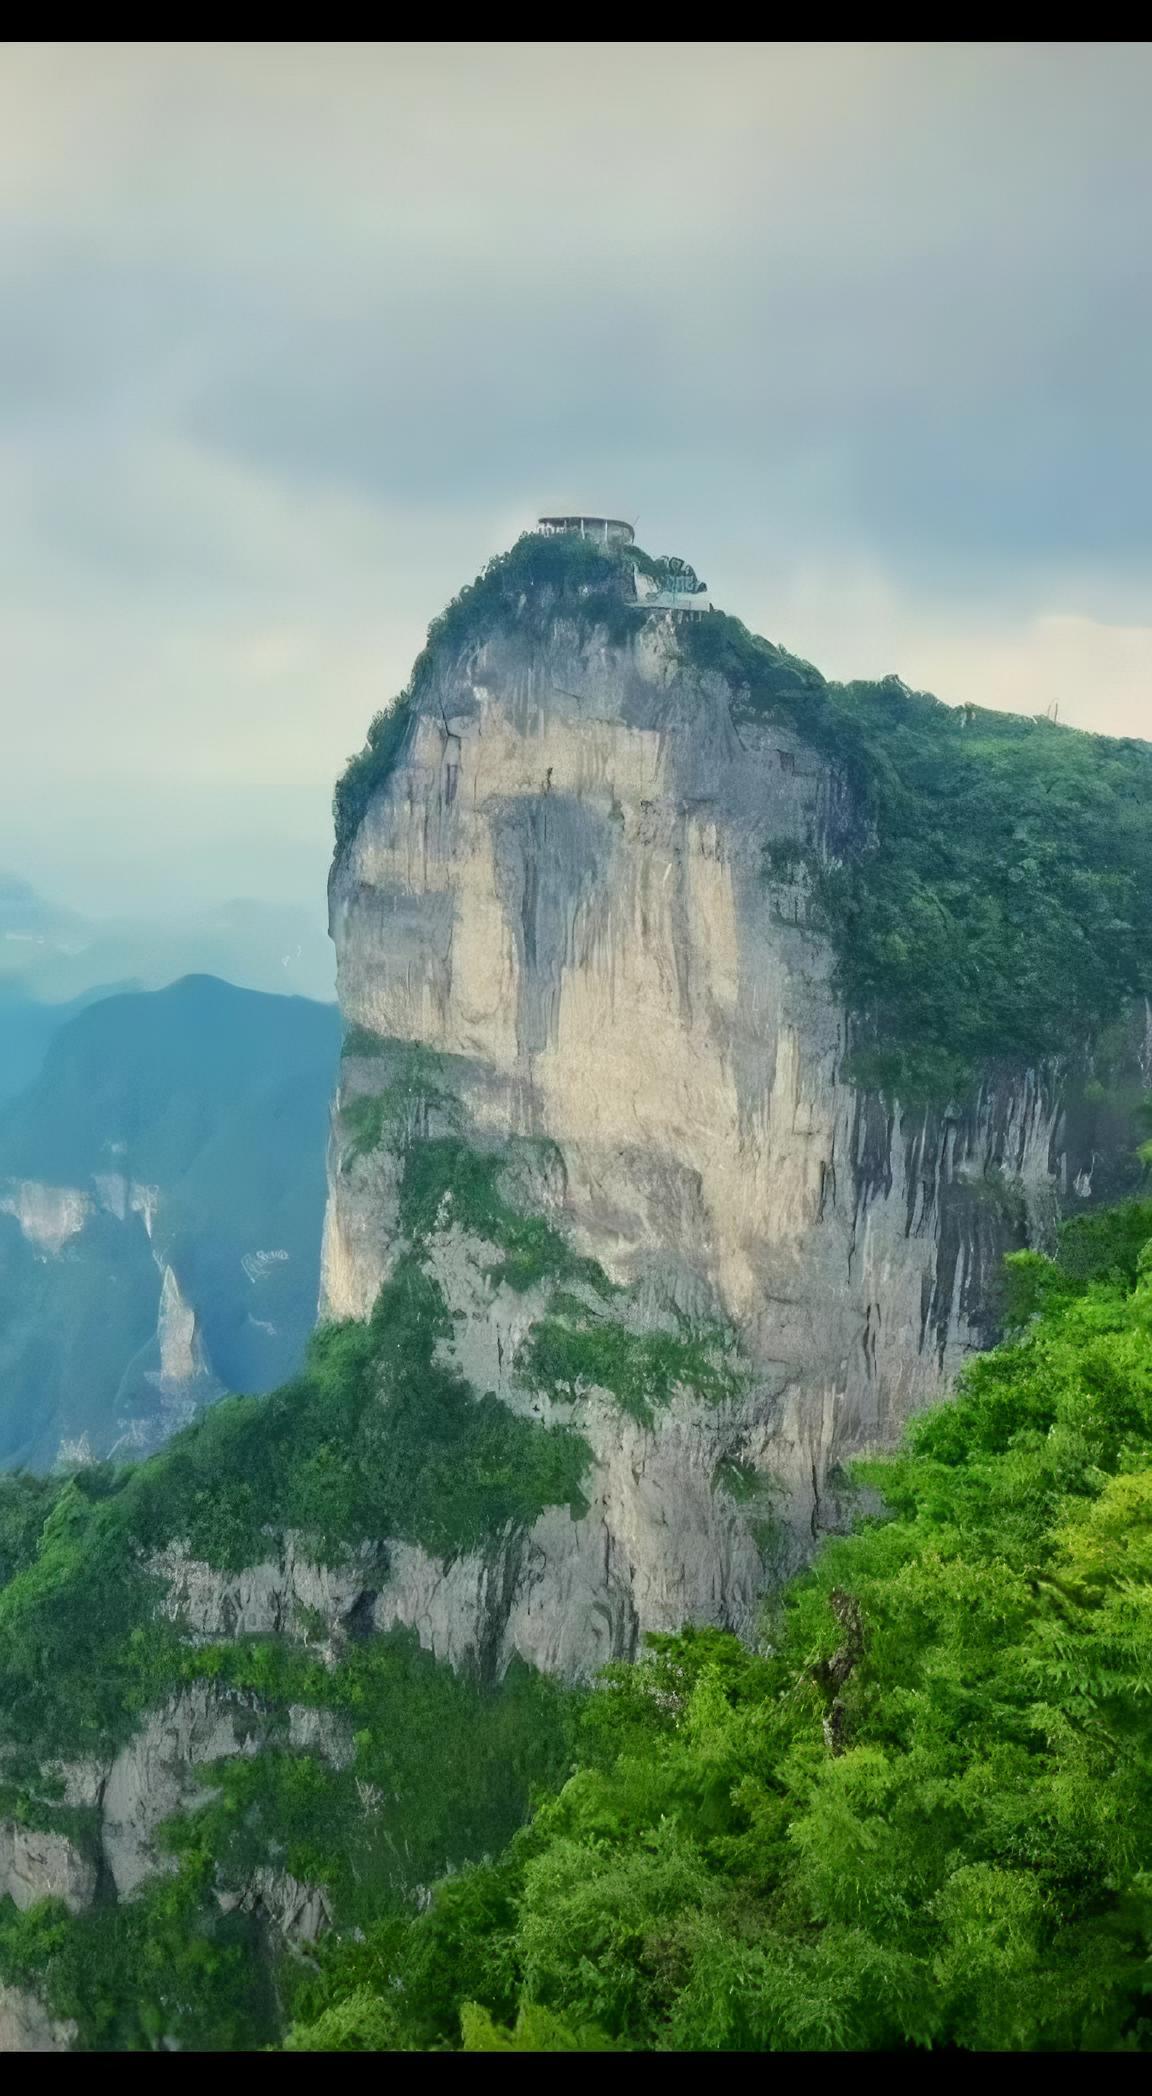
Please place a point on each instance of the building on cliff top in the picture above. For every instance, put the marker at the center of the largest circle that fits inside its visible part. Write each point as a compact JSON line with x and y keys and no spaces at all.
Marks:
{"x":677,"y":587}
{"x":609,"y":530}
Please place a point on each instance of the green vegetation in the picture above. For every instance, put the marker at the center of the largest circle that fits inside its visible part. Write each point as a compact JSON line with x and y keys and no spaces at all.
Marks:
{"x":447,"y":1182}
{"x":218,"y":1098}
{"x":25,"y":1502}
{"x":990,"y":887}
{"x":919,"y":1816}
{"x":540,"y":578}
{"x":365,"y":773}
{"x":758,"y":1496}
{"x":1105,"y":1245}
{"x":410,"y":1769}
{"x":166,"y":1968}
{"x":544,"y":576}
{"x":568,"y":1355}
{"x":425,"y":1769}
{"x":992,"y":900}
{"x":80,"y":1655}
{"x":414,"y":1089}
{"x":437,"y":1771}
{"x":361,"y":1041}
{"x":741,"y":1480}
{"x":537,"y":2030}
{"x":376,"y":1439}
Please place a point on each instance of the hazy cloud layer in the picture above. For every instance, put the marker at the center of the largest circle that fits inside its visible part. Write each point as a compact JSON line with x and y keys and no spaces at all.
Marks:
{"x":292,"y":337}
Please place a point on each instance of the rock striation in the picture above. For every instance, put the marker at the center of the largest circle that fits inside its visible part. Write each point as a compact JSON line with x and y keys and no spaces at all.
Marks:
{"x":596,"y":1121}
{"x":563,"y":891}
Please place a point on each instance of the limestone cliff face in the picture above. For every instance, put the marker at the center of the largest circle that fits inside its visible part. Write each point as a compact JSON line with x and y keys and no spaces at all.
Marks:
{"x":561,"y":889}
{"x":25,"y":2025}
{"x":566,"y":954}
{"x":35,"y":1865}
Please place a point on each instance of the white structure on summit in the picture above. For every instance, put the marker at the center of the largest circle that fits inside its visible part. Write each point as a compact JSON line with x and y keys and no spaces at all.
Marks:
{"x":608,"y":531}
{"x":676,"y":588}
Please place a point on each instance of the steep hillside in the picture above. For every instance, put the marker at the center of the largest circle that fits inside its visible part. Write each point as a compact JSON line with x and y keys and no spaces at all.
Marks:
{"x":917,"y":1817}
{"x":714,"y":957}
{"x":702,"y":1058}
{"x":27,"y":1026}
{"x":161,"y":1187}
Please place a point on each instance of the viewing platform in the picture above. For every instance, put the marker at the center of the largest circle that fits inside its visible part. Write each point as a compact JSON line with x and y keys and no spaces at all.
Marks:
{"x":607,"y":531}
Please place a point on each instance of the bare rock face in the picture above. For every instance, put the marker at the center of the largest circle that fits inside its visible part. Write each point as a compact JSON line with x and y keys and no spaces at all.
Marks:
{"x":562,"y":892}
{"x":36,"y":1865}
{"x":287,"y":1594}
{"x":565,"y":948}
{"x":26,"y":2026}
{"x":300,"y":1913}
{"x":155,"y":1776}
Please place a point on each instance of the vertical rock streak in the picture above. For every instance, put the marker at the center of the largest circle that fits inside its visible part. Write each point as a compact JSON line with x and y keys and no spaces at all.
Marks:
{"x":563,"y":884}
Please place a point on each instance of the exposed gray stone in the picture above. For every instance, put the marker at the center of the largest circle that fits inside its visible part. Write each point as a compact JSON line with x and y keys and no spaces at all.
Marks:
{"x":154,"y":1776}
{"x":35,"y":1865}
{"x":577,"y":864}
{"x":26,"y":2026}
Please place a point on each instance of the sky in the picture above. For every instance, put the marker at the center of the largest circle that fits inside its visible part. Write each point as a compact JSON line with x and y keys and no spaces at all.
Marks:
{"x":293,"y":337}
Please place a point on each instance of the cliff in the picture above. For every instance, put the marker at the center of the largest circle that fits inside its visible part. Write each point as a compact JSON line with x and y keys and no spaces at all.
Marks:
{"x":669,"y":1168}
{"x":582,"y":890}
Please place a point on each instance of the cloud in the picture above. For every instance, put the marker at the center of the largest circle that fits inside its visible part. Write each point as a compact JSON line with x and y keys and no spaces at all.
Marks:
{"x":295,"y":335}
{"x":855,"y":623}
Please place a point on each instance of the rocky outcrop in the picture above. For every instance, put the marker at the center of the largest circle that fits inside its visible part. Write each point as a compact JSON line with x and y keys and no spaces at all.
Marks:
{"x":182,"y":1358}
{"x":26,"y":2026}
{"x":662,"y":1544}
{"x":154,"y":1776}
{"x":48,"y":1215}
{"x":51,"y":1216}
{"x":575,"y":941}
{"x":158,"y":1773}
{"x":37,"y":1865}
{"x":563,"y":892}
{"x":287,"y":1593}
{"x":298,"y":1912}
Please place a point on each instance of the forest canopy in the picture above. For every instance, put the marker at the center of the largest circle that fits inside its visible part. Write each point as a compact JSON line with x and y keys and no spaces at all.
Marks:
{"x":920,"y":1815}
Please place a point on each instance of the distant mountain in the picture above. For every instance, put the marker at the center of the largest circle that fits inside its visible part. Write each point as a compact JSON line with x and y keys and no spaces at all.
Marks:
{"x":161,"y":1204}
{"x":53,"y":955}
{"x":24,"y":911}
{"x":27,"y":1025}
